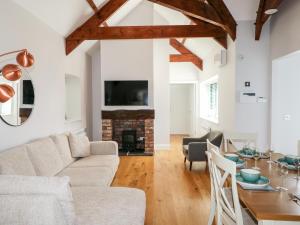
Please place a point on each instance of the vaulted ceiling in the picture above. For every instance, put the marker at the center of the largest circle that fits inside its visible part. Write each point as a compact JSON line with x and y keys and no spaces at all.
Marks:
{"x":65,"y":15}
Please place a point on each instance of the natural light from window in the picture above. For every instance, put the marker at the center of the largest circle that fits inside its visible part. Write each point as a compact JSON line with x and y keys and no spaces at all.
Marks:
{"x":209,"y":99}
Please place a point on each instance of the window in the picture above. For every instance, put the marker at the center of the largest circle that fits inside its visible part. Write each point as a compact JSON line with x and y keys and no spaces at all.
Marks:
{"x":209,"y":100}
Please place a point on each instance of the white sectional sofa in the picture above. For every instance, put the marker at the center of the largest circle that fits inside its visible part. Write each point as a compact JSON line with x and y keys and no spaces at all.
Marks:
{"x":94,"y":201}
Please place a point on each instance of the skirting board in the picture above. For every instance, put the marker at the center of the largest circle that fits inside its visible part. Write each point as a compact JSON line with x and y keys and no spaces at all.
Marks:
{"x":162,"y":147}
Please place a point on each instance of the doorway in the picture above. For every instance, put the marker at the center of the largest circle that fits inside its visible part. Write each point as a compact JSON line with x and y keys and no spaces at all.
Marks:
{"x":182,"y":109}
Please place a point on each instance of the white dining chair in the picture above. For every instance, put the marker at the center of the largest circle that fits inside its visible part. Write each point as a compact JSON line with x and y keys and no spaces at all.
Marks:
{"x":225,"y":203}
{"x":231,"y":137}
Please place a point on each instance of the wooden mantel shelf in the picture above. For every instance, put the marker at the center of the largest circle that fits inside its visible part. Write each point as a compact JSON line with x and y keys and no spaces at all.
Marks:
{"x":142,"y":114}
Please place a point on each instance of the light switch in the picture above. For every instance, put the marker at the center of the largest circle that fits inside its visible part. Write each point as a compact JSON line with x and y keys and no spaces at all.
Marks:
{"x":287,"y":117}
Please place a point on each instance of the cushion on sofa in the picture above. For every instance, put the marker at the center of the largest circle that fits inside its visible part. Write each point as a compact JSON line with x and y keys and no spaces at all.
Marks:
{"x":34,"y":185}
{"x":89,"y":176}
{"x":31,"y":210}
{"x":15,"y":161}
{"x":62,"y":144}
{"x":111,"y":206}
{"x":80,"y":146}
{"x":45,"y":157}
{"x":98,"y":160}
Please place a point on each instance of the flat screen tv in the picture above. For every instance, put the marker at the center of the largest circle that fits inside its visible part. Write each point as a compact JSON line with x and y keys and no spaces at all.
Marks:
{"x":126,"y":93}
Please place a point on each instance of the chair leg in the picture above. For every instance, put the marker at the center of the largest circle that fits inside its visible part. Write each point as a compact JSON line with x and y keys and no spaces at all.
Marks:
{"x":212,"y":211}
{"x":184,"y":159}
{"x":191,"y":164}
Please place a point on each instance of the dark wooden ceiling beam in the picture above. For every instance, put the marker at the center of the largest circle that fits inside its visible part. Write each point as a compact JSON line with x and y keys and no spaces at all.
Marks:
{"x":193,"y":8}
{"x":222,"y":39}
{"x":225,"y":16}
{"x":93,"y":5}
{"x":262,"y":17}
{"x":146,"y":32}
{"x":96,"y":20}
{"x":185,"y":54}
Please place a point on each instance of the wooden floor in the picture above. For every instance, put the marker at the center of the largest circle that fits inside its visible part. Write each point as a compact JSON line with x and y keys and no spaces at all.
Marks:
{"x":175,"y":196}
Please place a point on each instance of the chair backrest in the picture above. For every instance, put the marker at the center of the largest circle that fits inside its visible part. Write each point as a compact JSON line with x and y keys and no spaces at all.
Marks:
{"x":228,"y":205}
{"x":239,"y":137}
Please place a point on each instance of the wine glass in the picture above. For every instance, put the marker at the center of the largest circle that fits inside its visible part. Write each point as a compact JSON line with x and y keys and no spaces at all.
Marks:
{"x":297,"y":165}
{"x":256,"y":157}
{"x":284,"y":171}
{"x":270,"y":155}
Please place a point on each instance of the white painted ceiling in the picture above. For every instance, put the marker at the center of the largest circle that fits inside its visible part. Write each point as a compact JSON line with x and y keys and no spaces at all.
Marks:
{"x":64,"y":16}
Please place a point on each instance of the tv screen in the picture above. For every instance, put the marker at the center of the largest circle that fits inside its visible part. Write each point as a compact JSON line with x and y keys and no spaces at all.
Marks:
{"x":28,"y":93}
{"x":126,"y":93}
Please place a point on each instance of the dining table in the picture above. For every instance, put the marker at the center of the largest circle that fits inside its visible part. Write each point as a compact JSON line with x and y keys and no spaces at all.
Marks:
{"x":272,"y":207}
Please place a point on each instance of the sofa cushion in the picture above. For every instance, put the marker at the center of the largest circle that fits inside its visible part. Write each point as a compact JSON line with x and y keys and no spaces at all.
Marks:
{"x":31,"y":210}
{"x":89,"y":176}
{"x":62,"y":144}
{"x":80,"y":145}
{"x":111,"y":206}
{"x":45,"y":157}
{"x":98,"y":160}
{"x":15,"y":161}
{"x":34,"y":185}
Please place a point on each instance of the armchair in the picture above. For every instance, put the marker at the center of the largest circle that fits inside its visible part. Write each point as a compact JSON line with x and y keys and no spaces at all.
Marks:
{"x":194,"y":148}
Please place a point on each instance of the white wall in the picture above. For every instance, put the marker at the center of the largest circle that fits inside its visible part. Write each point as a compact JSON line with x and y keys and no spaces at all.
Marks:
{"x":253,"y":65}
{"x":25,"y":31}
{"x":285,"y":33}
{"x":285,"y":98}
{"x":129,"y":59}
{"x":226,"y":89}
{"x":96,"y":96}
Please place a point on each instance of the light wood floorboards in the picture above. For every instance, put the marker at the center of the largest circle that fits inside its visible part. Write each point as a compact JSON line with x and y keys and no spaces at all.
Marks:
{"x":175,"y":196}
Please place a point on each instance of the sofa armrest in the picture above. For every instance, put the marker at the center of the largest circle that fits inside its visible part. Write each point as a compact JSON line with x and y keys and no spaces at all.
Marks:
{"x":104,"y":148}
{"x":37,"y":209}
{"x":197,"y":151}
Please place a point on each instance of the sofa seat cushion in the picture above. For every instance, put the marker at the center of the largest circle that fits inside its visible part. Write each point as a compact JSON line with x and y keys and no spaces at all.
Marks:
{"x":98,"y":160}
{"x":89,"y":176}
{"x":16,"y":161}
{"x":62,"y":143}
{"x":109,"y":206}
{"x":13,"y":185}
{"x":45,"y":157}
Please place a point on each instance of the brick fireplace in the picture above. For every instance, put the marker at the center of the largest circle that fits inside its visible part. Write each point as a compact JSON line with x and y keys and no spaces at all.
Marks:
{"x":115,"y":123}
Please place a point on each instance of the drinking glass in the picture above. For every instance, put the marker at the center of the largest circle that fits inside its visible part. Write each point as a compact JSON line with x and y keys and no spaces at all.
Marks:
{"x":256,"y":158}
{"x":284,"y":171}
{"x":270,"y":155}
{"x":297,"y":165}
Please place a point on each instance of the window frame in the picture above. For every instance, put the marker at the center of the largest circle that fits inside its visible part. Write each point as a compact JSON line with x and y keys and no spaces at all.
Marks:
{"x":206,"y":111}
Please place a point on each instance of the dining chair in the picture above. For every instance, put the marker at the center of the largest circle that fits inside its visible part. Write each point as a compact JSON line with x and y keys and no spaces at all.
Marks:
{"x":225,"y":201}
{"x":230,"y":137}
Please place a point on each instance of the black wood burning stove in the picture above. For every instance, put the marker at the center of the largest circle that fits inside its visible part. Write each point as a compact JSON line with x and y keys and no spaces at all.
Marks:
{"x":129,"y":140}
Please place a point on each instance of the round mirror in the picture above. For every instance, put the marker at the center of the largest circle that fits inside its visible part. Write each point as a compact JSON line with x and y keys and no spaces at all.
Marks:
{"x":18,"y":109}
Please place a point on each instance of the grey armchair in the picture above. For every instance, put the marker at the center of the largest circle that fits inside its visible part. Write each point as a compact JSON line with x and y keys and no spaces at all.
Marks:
{"x":194,"y":148}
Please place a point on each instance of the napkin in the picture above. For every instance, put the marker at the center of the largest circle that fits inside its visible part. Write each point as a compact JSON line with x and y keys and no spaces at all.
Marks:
{"x":266,"y":188}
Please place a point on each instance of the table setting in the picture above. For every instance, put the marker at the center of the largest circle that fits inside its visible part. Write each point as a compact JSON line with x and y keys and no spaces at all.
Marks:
{"x":269,"y":187}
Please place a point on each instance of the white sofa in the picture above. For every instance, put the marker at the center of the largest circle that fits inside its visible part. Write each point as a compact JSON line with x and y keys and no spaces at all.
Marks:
{"x":95,"y":202}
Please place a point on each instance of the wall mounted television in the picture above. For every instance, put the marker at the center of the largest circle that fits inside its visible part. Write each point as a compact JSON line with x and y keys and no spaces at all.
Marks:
{"x":126,"y":93}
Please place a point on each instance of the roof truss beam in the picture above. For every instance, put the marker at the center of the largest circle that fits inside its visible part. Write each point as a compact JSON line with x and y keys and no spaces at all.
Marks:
{"x":96,"y":20}
{"x":146,"y":32}
{"x":262,"y":17}
{"x":185,"y":54}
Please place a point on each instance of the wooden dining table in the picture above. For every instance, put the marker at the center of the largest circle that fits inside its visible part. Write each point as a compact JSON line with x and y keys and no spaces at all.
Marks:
{"x":272,"y":207}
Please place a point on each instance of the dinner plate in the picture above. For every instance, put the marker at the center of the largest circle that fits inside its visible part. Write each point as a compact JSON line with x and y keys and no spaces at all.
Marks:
{"x":244,"y":155}
{"x":290,"y":166}
{"x":240,"y":163}
{"x":262,"y":182}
